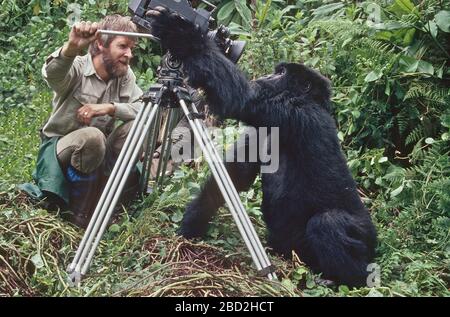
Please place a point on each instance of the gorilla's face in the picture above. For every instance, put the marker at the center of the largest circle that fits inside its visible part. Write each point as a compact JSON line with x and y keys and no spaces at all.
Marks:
{"x":296,"y":80}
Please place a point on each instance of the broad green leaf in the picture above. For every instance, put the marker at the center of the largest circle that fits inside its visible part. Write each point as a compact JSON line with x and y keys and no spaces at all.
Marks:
{"x":409,"y":64}
{"x":397,"y":191}
{"x":440,"y":71}
{"x":244,"y":11}
{"x":356,"y":114}
{"x":406,"y":5}
{"x":408,"y":36}
{"x":379,"y":181}
{"x":177,"y":217}
{"x":301,"y":271}
{"x":387,"y":90}
{"x":391,"y":25}
{"x":432,"y":27}
{"x":237,"y":29}
{"x":312,"y":62}
{"x":399,"y":91}
{"x":225,"y":11}
{"x":395,"y":25}
{"x":310,"y":284}
{"x":445,"y":120}
{"x":425,"y":67}
{"x":328,"y":8}
{"x":114,"y":228}
{"x":373,"y":76}
{"x":288,"y":8}
{"x":156,"y":60}
{"x":384,"y":35}
{"x":344,"y":289}
{"x":442,"y":19}
{"x":264,"y":12}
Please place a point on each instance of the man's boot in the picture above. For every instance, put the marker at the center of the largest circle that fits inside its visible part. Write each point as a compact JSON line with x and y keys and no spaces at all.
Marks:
{"x":84,"y":194}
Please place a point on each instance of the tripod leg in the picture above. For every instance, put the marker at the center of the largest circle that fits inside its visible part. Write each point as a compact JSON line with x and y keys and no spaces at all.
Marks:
{"x":230,"y":195}
{"x":109,"y":198}
{"x":124,"y":171}
{"x":75,"y":265}
{"x":201,"y":210}
{"x":172,"y":120}
{"x":149,"y":149}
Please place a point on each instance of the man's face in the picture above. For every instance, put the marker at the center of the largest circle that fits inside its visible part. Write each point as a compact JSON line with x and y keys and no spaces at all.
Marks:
{"x":118,"y":55}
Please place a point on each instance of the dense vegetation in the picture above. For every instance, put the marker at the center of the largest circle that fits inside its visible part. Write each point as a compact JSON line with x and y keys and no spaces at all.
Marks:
{"x":389,"y":64}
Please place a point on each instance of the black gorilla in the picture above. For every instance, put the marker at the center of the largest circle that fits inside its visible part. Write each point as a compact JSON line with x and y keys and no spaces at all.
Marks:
{"x":310,"y":204}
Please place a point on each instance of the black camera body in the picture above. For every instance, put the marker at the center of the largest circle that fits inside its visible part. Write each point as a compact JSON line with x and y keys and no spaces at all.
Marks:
{"x":199,"y":17}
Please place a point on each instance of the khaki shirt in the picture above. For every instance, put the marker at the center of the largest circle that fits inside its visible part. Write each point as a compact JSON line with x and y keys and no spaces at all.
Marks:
{"x":75,"y":82}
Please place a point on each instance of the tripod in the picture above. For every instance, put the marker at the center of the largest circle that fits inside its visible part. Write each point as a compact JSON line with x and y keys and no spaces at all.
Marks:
{"x":170,"y":92}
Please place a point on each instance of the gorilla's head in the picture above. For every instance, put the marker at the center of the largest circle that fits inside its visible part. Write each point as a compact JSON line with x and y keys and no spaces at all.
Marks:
{"x":299,"y":81}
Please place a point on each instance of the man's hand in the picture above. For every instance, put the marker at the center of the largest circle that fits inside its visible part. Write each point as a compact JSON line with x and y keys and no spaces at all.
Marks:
{"x":82,"y":34}
{"x":89,"y":111}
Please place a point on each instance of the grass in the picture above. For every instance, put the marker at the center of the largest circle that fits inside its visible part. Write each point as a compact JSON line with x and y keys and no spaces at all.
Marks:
{"x":143,"y":256}
{"x":19,"y":140}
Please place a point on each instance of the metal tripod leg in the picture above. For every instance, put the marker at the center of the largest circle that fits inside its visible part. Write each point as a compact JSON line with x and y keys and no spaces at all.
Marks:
{"x":111,"y":193}
{"x":150,"y":148}
{"x":172,"y":120}
{"x":230,"y":195}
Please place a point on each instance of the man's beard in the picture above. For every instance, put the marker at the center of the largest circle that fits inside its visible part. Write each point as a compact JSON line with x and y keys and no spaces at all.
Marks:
{"x":114,"y":69}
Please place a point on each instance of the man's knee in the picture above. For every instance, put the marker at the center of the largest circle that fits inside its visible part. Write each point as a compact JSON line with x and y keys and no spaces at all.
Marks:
{"x":91,"y":137}
{"x":84,"y":149}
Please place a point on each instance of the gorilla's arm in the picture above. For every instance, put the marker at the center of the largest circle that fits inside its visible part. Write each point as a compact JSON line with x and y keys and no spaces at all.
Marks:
{"x":228,"y":92}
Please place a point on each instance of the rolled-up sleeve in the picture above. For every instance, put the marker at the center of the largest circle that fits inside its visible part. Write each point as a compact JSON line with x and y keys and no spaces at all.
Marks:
{"x":129,"y":91}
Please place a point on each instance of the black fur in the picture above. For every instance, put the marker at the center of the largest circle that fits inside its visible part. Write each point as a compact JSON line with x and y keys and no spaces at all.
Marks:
{"x":310,"y":204}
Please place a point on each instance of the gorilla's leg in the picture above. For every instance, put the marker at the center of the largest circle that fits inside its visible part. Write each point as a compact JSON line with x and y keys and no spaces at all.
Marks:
{"x":199,"y":212}
{"x":340,"y":245}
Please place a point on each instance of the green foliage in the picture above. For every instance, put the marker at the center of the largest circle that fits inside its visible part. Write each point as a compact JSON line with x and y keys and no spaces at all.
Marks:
{"x":388,"y":62}
{"x":19,"y":140}
{"x":391,"y":102}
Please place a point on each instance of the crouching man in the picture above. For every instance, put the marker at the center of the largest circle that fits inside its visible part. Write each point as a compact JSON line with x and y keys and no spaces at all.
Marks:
{"x":94,"y":105}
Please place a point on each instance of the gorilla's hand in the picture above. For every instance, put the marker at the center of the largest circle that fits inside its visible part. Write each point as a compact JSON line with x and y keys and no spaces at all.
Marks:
{"x":179,"y":36}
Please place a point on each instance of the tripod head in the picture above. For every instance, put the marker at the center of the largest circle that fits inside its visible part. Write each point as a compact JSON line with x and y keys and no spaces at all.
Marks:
{"x":169,"y":72}
{"x":170,"y":86}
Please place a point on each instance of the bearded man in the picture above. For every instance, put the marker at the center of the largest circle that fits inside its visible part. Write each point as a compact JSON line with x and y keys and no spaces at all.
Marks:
{"x":95,"y":102}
